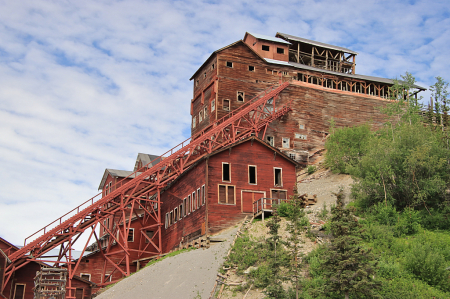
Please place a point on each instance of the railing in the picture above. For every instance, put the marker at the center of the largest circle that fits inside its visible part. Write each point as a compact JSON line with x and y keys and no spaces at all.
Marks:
{"x":266,"y":205}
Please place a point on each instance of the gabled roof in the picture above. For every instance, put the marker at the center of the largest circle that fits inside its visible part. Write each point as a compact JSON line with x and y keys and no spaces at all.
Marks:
{"x":269,"y":38}
{"x":146,"y":159}
{"x":314,"y":43}
{"x":117,"y":174}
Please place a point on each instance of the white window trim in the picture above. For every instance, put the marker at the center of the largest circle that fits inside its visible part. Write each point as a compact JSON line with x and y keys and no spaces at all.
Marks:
{"x":175,"y":215}
{"x":189,"y":203}
{"x":229,"y":172}
{"x":256,"y":175}
{"x":87,"y":275}
{"x":193,"y":201}
{"x":199,"y":198}
{"x":167,"y":221}
{"x":226,"y":195}
{"x":194,"y":121}
{"x":184,"y":206}
{"x":229,"y":105}
{"x":281,"y":176}
{"x":288,"y":142}
{"x":273,"y":141}
{"x":213,"y":105}
{"x":203,"y":195}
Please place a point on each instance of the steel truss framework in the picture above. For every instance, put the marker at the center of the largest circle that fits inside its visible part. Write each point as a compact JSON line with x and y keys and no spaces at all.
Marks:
{"x":139,"y":198}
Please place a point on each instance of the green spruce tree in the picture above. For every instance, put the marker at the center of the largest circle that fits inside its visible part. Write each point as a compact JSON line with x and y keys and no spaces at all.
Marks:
{"x":348,"y":268}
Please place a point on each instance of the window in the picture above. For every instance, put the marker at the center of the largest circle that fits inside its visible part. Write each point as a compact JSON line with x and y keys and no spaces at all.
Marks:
{"x":184,"y":207}
{"x":108,"y":277}
{"x":301,"y":126}
{"x":281,"y":194}
{"x":204,"y":75}
{"x":19,"y":291}
{"x":200,"y":116}
{"x":86,"y":276}
{"x":149,"y":234}
{"x":252,"y":174}
{"x":196,"y":82}
{"x":130,"y":235}
{"x":79,"y":293}
{"x":194,"y":202}
{"x":280,"y":50}
{"x":226,"y":194}
{"x":188,"y":207}
{"x":213,"y":105}
{"x":285,"y":142}
{"x":229,"y":64}
{"x":285,"y":73}
{"x":170,"y":218}
{"x":251,"y":68}
{"x":194,"y":121}
{"x":270,"y":140}
{"x":175,"y":215}
{"x":213,"y":66}
{"x":240,"y":96}
{"x":110,"y":188}
{"x":300,"y":136}
{"x":226,"y":172}
{"x":226,"y":105}
{"x":265,"y":48}
{"x":205,"y":112}
{"x":203,"y":195}
{"x":199,"y":199}
{"x":278,"y":179}
{"x":292,"y":156}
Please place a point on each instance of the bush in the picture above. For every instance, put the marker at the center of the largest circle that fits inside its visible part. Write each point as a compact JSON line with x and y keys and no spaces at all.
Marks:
{"x":284,"y":209}
{"x":311,"y":169}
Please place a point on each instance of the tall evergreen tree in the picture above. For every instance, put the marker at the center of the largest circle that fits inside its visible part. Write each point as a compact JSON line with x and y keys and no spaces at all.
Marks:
{"x":348,"y":267}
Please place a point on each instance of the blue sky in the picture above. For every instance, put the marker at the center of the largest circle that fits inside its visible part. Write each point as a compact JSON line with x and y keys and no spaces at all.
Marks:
{"x":86,"y":85}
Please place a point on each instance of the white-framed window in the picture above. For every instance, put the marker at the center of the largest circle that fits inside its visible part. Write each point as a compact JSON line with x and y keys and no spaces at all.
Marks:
{"x":86,"y":276}
{"x":194,"y":121}
{"x":301,"y":126}
{"x":286,"y":142}
{"x":270,"y":140}
{"x":205,"y":112}
{"x":199,"y":198}
{"x":108,"y":277}
{"x":277,"y":177}
{"x":180,"y":211}
{"x":226,"y":172}
{"x":293,"y":156}
{"x":19,"y":291}
{"x":188,"y":204}
{"x":170,"y":218}
{"x":130,"y":235}
{"x":175,"y":215}
{"x":166,"y":222}
{"x":240,"y":96}
{"x":200,"y":116}
{"x":227,"y":194}
{"x":300,"y":136}
{"x":184,"y":207}
{"x":213,"y":105}
{"x":110,"y":187}
{"x":226,"y":105}
{"x":193,"y":202}
{"x":229,"y":64}
{"x":252,"y":175}
{"x":203,"y":195}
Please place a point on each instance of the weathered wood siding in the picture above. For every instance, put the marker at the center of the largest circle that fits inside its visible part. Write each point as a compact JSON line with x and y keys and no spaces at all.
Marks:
{"x":222,"y":216}
{"x":189,"y":226}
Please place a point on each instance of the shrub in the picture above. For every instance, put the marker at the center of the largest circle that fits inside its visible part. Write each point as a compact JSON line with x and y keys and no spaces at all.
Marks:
{"x":311,"y":169}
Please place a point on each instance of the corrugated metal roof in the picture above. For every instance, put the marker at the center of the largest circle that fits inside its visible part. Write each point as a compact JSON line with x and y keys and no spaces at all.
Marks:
{"x":356,"y":76}
{"x":271,"y":38}
{"x":312,"y":42}
{"x":117,"y":174}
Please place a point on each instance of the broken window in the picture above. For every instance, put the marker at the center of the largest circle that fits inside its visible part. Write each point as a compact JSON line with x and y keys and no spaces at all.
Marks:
{"x":280,"y":50}
{"x":301,"y":126}
{"x":130,"y":235}
{"x":265,"y":48}
{"x":270,"y":140}
{"x":149,"y":234}
{"x":251,"y":68}
{"x":252,"y":174}
{"x":213,"y":66}
{"x":213,"y":105}
{"x":226,"y":172}
{"x":203,"y":195}
{"x":240,"y":96}
{"x":226,"y":105}
{"x":286,"y":142}
{"x":226,"y":194}
{"x":292,"y":156}
{"x":229,"y":64}
{"x":300,"y":136}
{"x":278,"y":180}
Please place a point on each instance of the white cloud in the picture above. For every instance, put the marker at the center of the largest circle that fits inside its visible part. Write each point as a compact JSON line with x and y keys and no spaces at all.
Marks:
{"x":86,"y":85}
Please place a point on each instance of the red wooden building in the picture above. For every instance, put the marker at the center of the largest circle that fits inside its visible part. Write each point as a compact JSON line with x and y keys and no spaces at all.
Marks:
{"x":21,"y":285}
{"x":324,"y":86}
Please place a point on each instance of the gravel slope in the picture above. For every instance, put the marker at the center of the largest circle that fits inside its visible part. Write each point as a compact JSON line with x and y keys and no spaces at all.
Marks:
{"x":187,"y":275}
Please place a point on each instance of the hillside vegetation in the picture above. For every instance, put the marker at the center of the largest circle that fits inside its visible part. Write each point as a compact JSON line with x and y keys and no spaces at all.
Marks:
{"x":392,"y":240}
